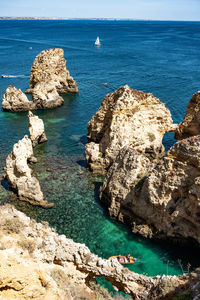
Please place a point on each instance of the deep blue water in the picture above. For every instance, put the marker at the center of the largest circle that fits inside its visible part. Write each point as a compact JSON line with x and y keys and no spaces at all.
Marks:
{"x":158,"y":57}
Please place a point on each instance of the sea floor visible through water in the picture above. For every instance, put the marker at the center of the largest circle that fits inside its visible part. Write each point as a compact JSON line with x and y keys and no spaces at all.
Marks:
{"x":157,"y":57}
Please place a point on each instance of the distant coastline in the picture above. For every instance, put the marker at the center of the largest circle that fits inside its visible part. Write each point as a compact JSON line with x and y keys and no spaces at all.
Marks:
{"x":91,"y":19}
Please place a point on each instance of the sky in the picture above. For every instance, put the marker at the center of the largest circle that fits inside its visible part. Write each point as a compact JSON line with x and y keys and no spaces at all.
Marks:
{"x":188,"y":10}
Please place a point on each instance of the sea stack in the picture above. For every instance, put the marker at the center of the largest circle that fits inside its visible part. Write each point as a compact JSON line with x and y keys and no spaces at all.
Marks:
{"x":15,"y":100}
{"x":36,"y":129}
{"x":50,"y":66}
{"x":19,"y":175}
{"x":191,"y":123}
{"x":126,"y":117}
{"x":160,"y":200}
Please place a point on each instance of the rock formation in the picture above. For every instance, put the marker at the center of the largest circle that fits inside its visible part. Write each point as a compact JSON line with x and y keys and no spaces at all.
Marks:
{"x":19,"y":175}
{"x":45,"y":95}
{"x":191,"y":123}
{"x":36,"y":129}
{"x":37,"y":262}
{"x":50,"y":66}
{"x":126,"y":117}
{"x":15,"y":100}
{"x":162,"y":201}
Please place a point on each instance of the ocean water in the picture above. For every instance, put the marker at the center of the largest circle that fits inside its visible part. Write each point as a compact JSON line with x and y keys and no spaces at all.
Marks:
{"x":158,"y":57}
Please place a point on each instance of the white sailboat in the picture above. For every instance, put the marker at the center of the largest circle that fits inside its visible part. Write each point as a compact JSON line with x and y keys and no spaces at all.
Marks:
{"x":97,"y":42}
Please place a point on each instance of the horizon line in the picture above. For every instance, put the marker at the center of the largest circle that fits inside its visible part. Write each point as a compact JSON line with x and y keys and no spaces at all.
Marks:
{"x":92,"y":19}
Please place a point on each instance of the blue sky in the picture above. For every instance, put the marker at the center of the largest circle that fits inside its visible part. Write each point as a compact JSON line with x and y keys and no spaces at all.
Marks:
{"x":137,"y":9}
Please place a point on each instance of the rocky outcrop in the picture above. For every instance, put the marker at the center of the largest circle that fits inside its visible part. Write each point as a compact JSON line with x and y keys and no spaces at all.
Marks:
{"x":191,"y":123}
{"x":36,"y":129}
{"x":19,"y":175}
{"x":15,"y":100}
{"x":37,"y":262}
{"x":127,"y":117}
{"x":161,"y":201}
{"x":50,"y":66}
{"x":45,"y":96}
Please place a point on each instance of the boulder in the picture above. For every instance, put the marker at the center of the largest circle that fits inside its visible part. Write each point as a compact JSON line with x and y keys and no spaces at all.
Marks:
{"x":162,"y":200}
{"x":50,"y":65}
{"x":191,"y":123}
{"x":127,"y":117}
{"x":15,"y":100}
{"x":36,"y":129}
{"x":19,"y":175}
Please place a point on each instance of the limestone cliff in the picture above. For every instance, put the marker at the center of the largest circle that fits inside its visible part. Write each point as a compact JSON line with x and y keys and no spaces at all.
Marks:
{"x":36,"y":129}
{"x":191,"y":123}
{"x":162,"y":200}
{"x":38,"y":263}
{"x":15,"y":100}
{"x":19,"y":174}
{"x":126,"y":117}
{"x":50,"y":65}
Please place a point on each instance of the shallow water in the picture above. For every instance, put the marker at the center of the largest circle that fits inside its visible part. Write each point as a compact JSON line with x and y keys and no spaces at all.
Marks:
{"x":158,"y":57}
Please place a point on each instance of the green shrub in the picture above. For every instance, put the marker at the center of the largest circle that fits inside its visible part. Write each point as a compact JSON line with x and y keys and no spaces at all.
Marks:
{"x":27,"y":244}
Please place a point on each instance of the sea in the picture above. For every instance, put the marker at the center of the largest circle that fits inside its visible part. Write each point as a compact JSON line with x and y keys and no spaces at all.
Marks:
{"x":162,"y":58}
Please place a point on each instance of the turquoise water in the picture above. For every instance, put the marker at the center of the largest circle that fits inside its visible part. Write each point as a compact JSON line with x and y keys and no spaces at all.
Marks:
{"x":158,"y":57}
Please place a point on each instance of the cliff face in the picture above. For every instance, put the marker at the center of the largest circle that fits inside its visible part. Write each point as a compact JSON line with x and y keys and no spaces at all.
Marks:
{"x":126,"y":118}
{"x":191,"y":124}
{"x":37,"y":262}
{"x":161,"y":200}
{"x":50,"y":65}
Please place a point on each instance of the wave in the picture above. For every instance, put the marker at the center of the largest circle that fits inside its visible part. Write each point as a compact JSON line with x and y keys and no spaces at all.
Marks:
{"x":14,"y":76}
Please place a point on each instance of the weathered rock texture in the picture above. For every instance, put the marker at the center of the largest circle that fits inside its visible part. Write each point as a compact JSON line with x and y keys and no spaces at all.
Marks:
{"x":164,"y":201}
{"x":19,"y":175}
{"x":50,"y":65}
{"x":38,"y":263}
{"x":15,"y":100}
{"x":191,"y":123}
{"x":127,"y":117}
{"x":45,"y":95}
{"x":36,"y":129}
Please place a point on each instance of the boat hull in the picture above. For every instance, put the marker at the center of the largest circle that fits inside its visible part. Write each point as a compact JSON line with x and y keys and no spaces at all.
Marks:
{"x":123,"y":259}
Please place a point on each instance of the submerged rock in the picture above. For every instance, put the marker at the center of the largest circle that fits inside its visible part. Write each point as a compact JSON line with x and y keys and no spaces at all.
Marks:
{"x":36,"y":129}
{"x":37,"y":262}
{"x":191,"y":123}
{"x":50,"y":66}
{"x":15,"y":100}
{"x":163,"y":201}
{"x":127,"y":117}
{"x":19,"y":175}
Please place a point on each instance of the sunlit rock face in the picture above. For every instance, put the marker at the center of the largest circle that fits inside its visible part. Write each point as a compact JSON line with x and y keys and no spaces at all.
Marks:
{"x":15,"y":100}
{"x":19,"y":174}
{"x":127,"y":117}
{"x":160,"y":199}
{"x":36,"y":129}
{"x":38,"y":263}
{"x":45,"y":95}
{"x":50,"y":65}
{"x":191,"y":123}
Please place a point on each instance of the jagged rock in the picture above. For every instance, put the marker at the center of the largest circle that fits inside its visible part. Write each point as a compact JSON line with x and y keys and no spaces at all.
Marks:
{"x":15,"y":100}
{"x":166,"y":202}
{"x":50,"y":65}
{"x":191,"y":123}
{"x":37,"y":262}
{"x":127,"y":117}
{"x":36,"y":129}
{"x":19,"y":175}
{"x":45,"y":95}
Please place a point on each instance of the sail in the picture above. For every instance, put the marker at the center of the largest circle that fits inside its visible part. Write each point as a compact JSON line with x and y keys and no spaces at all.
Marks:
{"x":97,"y":42}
